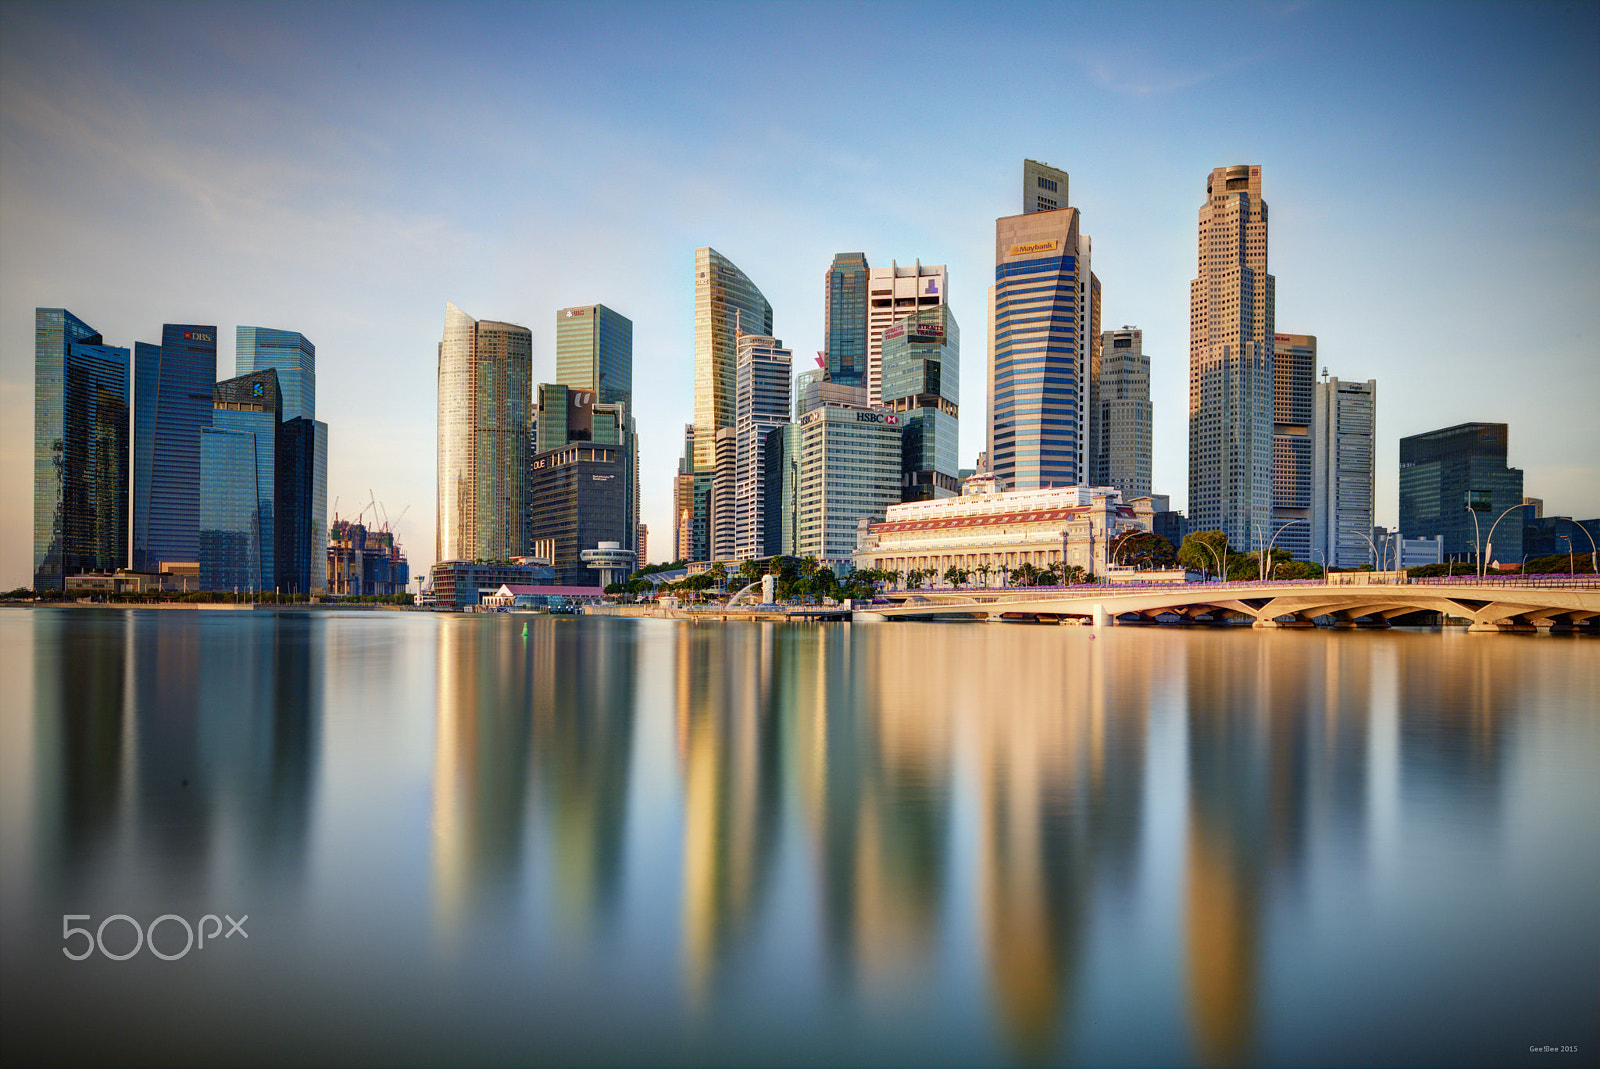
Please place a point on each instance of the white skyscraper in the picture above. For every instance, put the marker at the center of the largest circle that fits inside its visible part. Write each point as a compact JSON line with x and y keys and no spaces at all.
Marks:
{"x":1343,"y":441}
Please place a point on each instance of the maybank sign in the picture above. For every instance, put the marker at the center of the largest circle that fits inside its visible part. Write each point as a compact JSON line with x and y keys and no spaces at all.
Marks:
{"x":1033,"y":247}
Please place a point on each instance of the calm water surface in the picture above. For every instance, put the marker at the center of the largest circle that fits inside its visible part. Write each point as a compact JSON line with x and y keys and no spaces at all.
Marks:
{"x":522,"y":839}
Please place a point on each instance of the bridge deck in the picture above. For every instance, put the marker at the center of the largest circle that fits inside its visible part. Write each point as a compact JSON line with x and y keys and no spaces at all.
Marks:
{"x":1492,"y":605}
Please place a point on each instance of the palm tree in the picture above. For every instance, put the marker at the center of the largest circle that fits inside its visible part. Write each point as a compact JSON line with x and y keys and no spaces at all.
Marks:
{"x":719,"y":572}
{"x":1005,"y":574}
{"x":809,"y":566}
{"x":952,"y":575}
{"x":984,"y":570}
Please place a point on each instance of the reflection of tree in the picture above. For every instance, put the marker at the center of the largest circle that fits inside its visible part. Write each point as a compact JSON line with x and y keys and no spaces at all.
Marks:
{"x":731,"y":752}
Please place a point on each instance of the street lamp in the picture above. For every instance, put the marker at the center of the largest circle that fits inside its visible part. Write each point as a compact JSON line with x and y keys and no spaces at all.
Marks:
{"x":1274,"y":542}
{"x":1568,"y":541}
{"x":1488,"y":543}
{"x":1221,"y":574}
{"x":1477,"y":545}
{"x":1318,"y":553}
{"x":1594,"y":564}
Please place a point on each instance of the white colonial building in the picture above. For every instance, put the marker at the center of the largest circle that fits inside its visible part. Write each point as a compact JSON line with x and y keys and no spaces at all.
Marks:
{"x":990,"y":527}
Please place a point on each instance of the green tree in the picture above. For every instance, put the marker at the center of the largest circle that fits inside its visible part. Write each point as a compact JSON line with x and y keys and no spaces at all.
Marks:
{"x":1143,"y":549}
{"x":914,"y":579}
{"x":1205,"y":552}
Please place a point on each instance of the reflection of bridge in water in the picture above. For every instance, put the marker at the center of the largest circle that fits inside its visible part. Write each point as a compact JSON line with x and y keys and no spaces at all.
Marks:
{"x":1489,"y":605}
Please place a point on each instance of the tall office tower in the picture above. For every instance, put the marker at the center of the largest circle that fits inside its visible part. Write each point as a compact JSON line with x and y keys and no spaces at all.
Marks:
{"x":1231,"y":385}
{"x":724,"y":504}
{"x":1120,"y":423}
{"x":725,"y":301}
{"x":300,"y":553}
{"x":1343,"y":439}
{"x":565,"y":417}
{"x":781,"y":493}
{"x":1043,"y":307}
{"x":594,"y":351}
{"x":849,"y":470}
{"x":762,"y":390}
{"x":844,"y":319}
{"x":485,"y":393}
{"x":1450,"y":476}
{"x":172,"y":385}
{"x":1044,"y":188}
{"x":893,"y":293}
{"x":302,"y":536}
{"x":1294,"y":377}
{"x":291,"y":355}
{"x":80,"y":450}
{"x":641,"y":534}
{"x":239,"y":484}
{"x":691,"y":505}
{"x":922,"y":385}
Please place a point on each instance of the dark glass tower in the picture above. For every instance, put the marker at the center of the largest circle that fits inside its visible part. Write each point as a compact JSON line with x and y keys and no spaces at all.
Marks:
{"x":171,"y":405}
{"x":1447,"y":476}
{"x":921,"y":382}
{"x":238,"y":484}
{"x":80,"y":450}
{"x":300,"y":538}
{"x":845,"y":318}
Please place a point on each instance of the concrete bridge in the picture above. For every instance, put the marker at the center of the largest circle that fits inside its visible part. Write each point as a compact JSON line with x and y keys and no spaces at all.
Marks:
{"x":1495,"y":604}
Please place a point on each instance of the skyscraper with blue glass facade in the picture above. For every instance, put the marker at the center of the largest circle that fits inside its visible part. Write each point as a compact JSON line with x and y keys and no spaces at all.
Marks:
{"x":80,"y":450}
{"x":291,"y":355}
{"x":844,"y":313}
{"x":301,"y":535}
{"x":172,"y":400}
{"x":921,"y":383}
{"x":238,"y":484}
{"x":1044,"y":310}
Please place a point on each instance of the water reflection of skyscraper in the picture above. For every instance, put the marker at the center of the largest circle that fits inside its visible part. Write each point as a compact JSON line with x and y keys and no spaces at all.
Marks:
{"x":221,"y":711}
{"x":554,"y":700}
{"x":80,"y":671}
{"x":1061,"y":767}
{"x":730,"y":748}
{"x":1257,"y":711}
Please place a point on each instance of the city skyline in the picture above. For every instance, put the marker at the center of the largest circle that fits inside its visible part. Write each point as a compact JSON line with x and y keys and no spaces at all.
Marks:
{"x":134,"y":200}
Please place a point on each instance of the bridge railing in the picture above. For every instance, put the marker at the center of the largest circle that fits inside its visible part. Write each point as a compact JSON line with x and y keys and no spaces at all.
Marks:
{"x":1550,"y":581}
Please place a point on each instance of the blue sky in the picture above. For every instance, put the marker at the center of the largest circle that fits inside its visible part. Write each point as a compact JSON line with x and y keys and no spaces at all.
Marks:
{"x":1433,"y":174}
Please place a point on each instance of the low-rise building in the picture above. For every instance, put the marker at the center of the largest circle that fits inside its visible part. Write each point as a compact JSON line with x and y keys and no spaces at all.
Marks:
{"x":458,"y":584}
{"x":991,"y":528}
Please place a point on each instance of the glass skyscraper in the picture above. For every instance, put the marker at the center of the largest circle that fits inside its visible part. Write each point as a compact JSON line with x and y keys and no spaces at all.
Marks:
{"x":1044,"y":309}
{"x":302,"y":529}
{"x":844,"y":319}
{"x":1448,"y":475}
{"x":921,"y":384}
{"x":291,"y":355}
{"x":80,"y":450}
{"x":238,"y":485}
{"x":724,"y":301}
{"x":172,"y":400}
{"x":594,"y":351}
{"x":484,"y":429}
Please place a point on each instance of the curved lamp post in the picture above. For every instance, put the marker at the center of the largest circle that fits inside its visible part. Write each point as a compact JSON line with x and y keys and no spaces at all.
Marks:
{"x":1221,"y":574}
{"x":1274,"y":542}
{"x":1317,"y":552}
{"x":1488,"y":543}
{"x":1476,"y":544}
{"x":1593,"y":563}
{"x":1568,"y":541}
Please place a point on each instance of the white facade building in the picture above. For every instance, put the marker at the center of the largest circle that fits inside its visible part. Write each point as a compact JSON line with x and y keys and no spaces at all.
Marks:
{"x":893,"y":293}
{"x":994,"y":529}
{"x":1343,"y":442}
